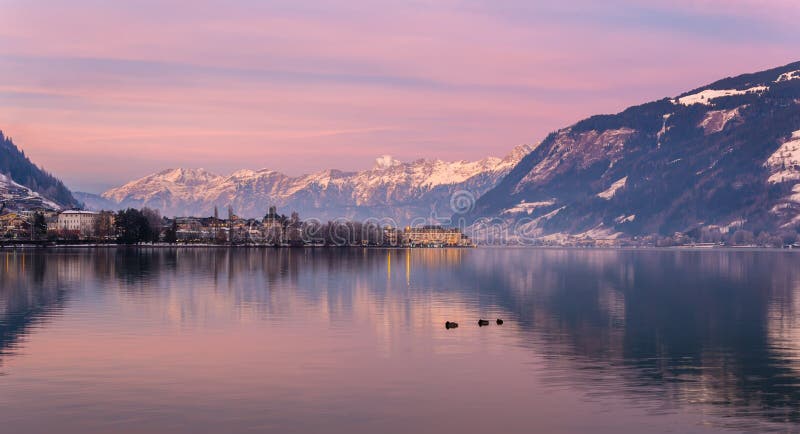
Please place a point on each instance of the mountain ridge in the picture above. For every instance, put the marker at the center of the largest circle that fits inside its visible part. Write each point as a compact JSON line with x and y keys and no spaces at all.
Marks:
{"x":21,"y":172}
{"x":721,"y":157}
{"x":390,"y":189}
{"x":703,"y":159}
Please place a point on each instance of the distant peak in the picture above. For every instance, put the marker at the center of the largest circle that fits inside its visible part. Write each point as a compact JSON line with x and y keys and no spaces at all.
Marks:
{"x":386,"y":161}
{"x":182,"y":175}
{"x":180,"y":171}
{"x":520,"y":151}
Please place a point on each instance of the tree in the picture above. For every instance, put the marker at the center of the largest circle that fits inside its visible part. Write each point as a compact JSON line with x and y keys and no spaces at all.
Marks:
{"x":104,"y":226}
{"x":171,"y":234}
{"x":39,"y":226}
{"x":294,"y":230}
{"x":134,"y":227}
{"x":154,"y":224}
{"x":742,"y":238}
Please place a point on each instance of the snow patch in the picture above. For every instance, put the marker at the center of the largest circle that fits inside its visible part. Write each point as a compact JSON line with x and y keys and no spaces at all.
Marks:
{"x":787,"y":76}
{"x":732,"y":226}
{"x":794,"y":221}
{"x":385,"y":162}
{"x":531,"y":228}
{"x":611,"y":191}
{"x":707,"y":95}
{"x":716,"y":120}
{"x":528,"y":207}
{"x":598,"y":232}
{"x":624,"y":219}
{"x":663,"y":129}
{"x":785,"y":162}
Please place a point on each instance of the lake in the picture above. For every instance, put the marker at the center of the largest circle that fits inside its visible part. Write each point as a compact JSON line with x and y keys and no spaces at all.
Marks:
{"x":211,"y":340}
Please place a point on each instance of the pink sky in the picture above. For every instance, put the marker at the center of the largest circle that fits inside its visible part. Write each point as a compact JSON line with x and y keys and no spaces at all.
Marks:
{"x":103,"y":92}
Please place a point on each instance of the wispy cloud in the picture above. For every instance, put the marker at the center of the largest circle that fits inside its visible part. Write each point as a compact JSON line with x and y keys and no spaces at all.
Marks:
{"x":298,"y":86}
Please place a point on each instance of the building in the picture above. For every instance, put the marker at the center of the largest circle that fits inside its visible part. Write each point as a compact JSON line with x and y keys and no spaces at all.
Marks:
{"x":14,"y":226}
{"x":82,"y":223}
{"x":273,"y":224}
{"x":391,"y":236}
{"x":435,"y":236}
{"x":30,"y":214}
{"x":194,"y":228}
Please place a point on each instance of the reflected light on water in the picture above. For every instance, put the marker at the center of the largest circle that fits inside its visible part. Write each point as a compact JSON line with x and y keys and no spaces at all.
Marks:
{"x":337,"y":340}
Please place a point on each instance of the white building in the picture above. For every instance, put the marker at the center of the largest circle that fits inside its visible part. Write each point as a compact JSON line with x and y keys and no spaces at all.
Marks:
{"x":77,"y":221}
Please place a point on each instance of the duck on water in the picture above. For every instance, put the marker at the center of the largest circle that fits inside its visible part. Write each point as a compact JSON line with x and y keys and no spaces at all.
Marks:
{"x":481,"y":322}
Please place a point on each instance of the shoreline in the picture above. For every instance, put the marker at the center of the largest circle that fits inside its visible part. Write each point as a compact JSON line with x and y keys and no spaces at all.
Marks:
{"x":12,"y":247}
{"x":206,"y":246}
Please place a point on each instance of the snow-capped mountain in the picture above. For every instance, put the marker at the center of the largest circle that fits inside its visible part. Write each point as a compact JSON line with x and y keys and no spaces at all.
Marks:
{"x":391,"y":189}
{"x":720,"y":157}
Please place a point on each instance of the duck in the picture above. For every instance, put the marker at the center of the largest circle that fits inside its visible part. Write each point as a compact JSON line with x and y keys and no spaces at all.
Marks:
{"x":499,"y":321}
{"x":450,"y":325}
{"x":483,"y":322}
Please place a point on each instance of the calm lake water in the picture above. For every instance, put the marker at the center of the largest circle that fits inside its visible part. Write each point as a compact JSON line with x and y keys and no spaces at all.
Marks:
{"x":350,"y":341}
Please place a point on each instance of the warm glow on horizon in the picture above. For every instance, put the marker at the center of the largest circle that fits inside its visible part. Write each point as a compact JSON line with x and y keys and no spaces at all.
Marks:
{"x":102,"y":93}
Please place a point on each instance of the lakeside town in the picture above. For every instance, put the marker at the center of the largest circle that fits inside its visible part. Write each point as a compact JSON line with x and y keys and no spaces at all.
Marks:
{"x":146,"y":226}
{"x":41,"y":226}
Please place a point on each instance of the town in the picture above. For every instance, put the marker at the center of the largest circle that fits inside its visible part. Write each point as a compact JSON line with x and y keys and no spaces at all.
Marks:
{"x":42,"y":226}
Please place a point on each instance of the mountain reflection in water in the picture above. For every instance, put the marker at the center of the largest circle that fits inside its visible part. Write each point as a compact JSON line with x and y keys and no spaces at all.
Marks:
{"x":343,"y":340}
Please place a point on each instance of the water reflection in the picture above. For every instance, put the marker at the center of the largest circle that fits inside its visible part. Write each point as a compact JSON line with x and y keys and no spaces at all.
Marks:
{"x":24,"y":302}
{"x":675,"y":333}
{"x":692,"y":327}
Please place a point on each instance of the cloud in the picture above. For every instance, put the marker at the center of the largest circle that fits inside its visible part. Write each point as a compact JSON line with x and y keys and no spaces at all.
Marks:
{"x":342,"y":81}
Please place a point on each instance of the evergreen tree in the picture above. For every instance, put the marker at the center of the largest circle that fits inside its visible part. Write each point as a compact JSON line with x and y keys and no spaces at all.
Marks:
{"x":171,"y":234}
{"x":39,"y":227}
{"x":133,"y":227}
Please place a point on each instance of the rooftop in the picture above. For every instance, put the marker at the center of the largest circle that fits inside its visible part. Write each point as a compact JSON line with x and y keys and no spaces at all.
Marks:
{"x":76,"y":211}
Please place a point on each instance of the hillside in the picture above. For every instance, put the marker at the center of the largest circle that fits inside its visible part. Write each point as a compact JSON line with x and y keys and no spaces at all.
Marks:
{"x":720,"y":157}
{"x":20,"y":171}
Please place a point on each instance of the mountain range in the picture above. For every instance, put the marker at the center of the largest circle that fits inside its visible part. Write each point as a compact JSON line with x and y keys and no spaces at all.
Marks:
{"x":401,"y":191}
{"x":724,"y":156}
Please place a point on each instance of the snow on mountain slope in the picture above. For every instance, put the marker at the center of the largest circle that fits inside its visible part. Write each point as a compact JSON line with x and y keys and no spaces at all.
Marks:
{"x":182,"y":183}
{"x":581,"y":149}
{"x":786,"y":76}
{"x":611,"y":191}
{"x":784,"y":163}
{"x":528,"y":207}
{"x":704,"y":97}
{"x":722,"y":153}
{"x":715,"y":120}
{"x":23,"y":197}
{"x":17,"y":167}
{"x":389,"y":189}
